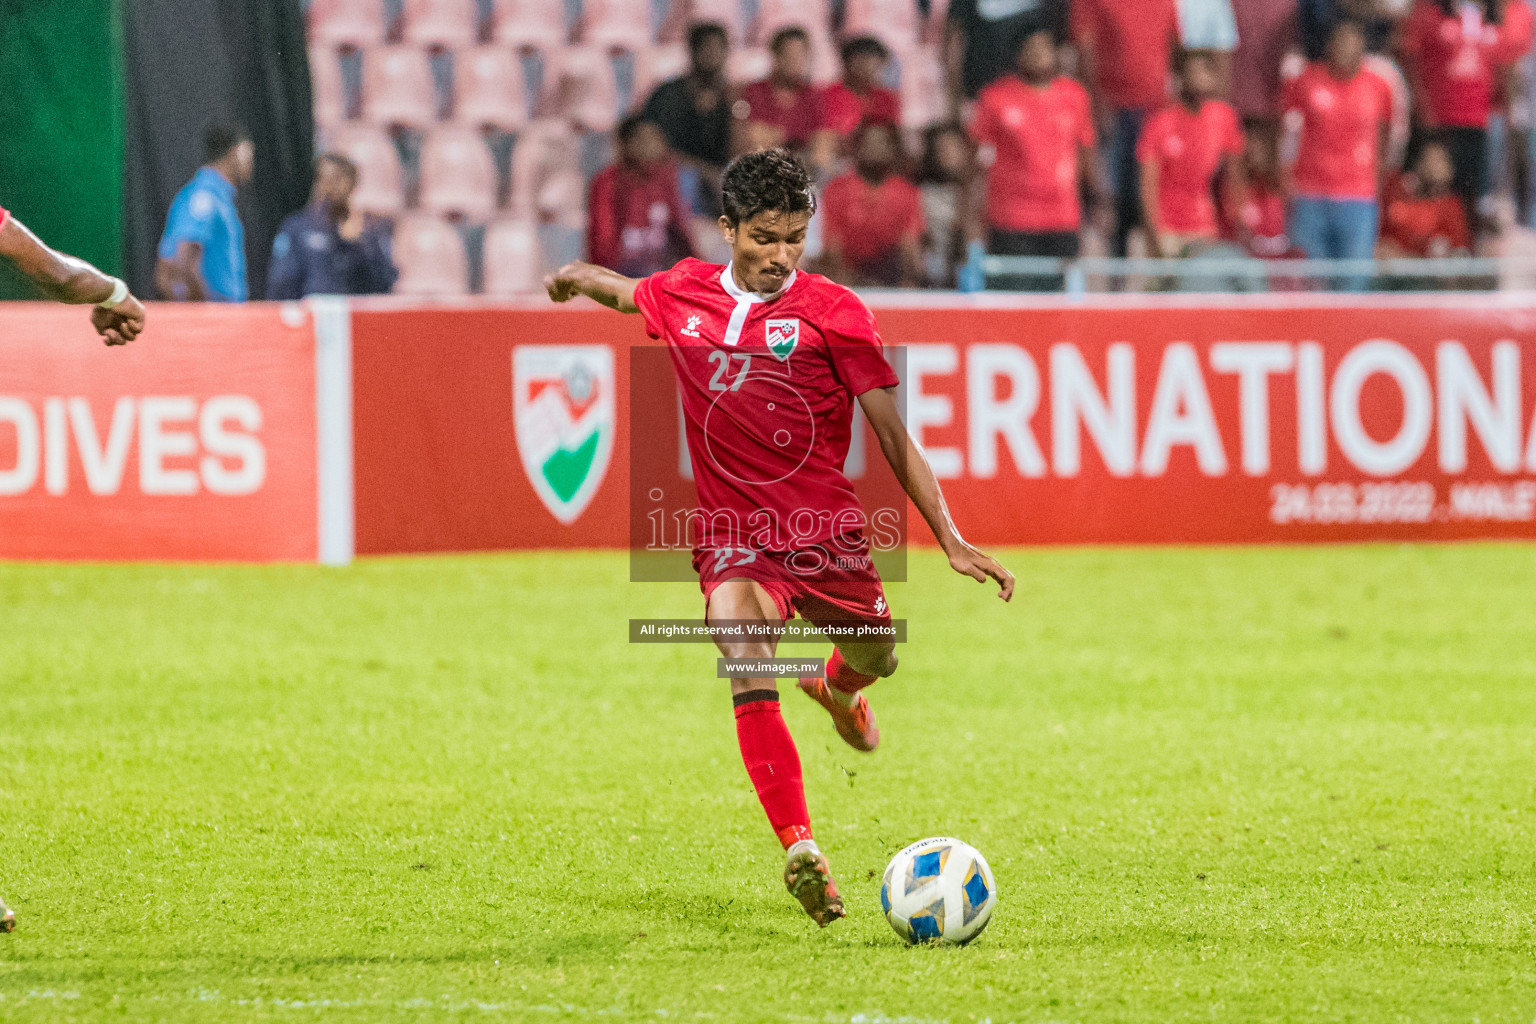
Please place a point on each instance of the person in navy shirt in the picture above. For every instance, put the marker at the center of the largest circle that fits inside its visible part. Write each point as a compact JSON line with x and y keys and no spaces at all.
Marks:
{"x":202,"y":253}
{"x":328,"y":248}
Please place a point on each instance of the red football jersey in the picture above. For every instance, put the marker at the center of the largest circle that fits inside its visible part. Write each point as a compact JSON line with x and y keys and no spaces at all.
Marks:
{"x":1341,"y":124}
{"x":1188,"y":149}
{"x":767,"y":389}
{"x":1459,"y":58}
{"x":1032,"y":137}
{"x":4,"y":213}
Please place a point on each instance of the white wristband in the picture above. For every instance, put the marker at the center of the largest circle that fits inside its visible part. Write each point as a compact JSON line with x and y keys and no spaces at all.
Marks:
{"x":119,"y":293}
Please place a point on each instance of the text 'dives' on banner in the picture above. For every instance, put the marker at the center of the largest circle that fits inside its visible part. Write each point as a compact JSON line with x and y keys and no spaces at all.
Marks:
{"x":195,"y":442}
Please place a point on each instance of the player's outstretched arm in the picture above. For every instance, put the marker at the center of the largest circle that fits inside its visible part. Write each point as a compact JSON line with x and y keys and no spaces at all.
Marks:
{"x":911,"y":467}
{"x":609,"y":287}
{"x":118,"y":318}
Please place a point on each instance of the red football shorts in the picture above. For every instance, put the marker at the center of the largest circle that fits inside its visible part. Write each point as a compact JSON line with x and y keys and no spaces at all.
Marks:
{"x":834,"y":582}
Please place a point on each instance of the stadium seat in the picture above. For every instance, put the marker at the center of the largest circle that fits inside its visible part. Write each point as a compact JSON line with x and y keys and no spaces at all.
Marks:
{"x":893,"y":22}
{"x":431,"y":258}
{"x":682,"y":13}
{"x":488,"y":82}
{"x":530,"y":25}
{"x":346,"y":22}
{"x":620,"y":24}
{"x":772,"y":15}
{"x":398,"y":86}
{"x":328,"y":86}
{"x":748,"y":64}
{"x":458,"y":174}
{"x":514,"y":260}
{"x":445,"y":23}
{"x":922,"y":87}
{"x":380,"y":188}
{"x":546,"y":149}
{"x":659,"y":63}
{"x":582,"y":87}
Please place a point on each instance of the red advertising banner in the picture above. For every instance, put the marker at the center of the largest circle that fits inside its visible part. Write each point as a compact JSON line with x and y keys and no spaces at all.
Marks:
{"x":195,"y":442}
{"x":1248,"y":421}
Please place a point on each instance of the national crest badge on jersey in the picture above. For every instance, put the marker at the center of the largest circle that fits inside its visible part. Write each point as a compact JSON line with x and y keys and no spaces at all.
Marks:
{"x":783,"y":336}
{"x":563,"y":411}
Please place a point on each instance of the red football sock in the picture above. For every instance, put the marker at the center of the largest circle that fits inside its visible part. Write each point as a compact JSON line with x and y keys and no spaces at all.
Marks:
{"x":773,"y":763}
{"x":841,"y":677}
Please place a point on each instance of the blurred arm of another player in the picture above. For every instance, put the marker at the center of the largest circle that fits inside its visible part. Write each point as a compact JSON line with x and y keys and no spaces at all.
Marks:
{"x":609,"y":287}
{"x":911,"y":468}
{"x":118,"y":316}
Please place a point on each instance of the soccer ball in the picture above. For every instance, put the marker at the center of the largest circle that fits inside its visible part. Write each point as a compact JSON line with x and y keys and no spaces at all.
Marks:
{"x":938,"y":890}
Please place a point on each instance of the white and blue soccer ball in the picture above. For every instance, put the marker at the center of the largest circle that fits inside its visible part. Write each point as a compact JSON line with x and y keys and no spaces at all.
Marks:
{"x":938,"y":890}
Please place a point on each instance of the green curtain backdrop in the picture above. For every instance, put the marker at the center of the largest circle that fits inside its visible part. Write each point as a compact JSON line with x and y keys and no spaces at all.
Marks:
{"x":61,"y":127}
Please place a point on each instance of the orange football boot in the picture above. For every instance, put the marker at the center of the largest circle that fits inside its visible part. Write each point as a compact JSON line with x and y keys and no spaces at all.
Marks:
{"x":856,"y":724}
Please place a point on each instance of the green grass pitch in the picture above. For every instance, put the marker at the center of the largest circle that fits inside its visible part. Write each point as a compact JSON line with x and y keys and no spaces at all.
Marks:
{"x":1286,"y":784}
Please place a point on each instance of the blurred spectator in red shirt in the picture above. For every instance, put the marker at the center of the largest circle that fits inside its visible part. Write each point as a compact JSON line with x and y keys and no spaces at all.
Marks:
{"x":785,"y":109}
{"x":873,"y":217}
{"x":1037,"y":151}
{"x":1259,"y":222}
{"x":1126,"y":52}
{"x":1457,"y":52}
{"x":637,"y":223}
{"x":1183,"y":149}
{"x":1338,"y":115}
{"x":947,"y":167}
{"x":1423,"y":216}
{"x":1266,"y":32}
{"x":859,"y":97}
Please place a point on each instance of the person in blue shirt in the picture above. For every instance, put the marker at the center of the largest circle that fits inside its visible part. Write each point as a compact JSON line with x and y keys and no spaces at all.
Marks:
{"x":328,"y":248}
{"x":202,"y":253}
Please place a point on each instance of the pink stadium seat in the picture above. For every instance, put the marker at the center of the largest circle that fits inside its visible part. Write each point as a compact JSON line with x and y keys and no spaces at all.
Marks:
{"x":458,"y":174}
{"x":620,"y":24}
{"x":329,"y":90}
{"x":398,"y":86}
{"x":584,"y":88}
{"x":431,"y":258}
{"x":514,"y":261}
{"x":488,"y":81}
{"x":530,"y":24}
{"x":772,"y":15}
{"x":748,"y":64}
{"x":682,"y":13}
{"x":346,"y":22}
{"x":546,"y":149}
{"x":379,"y":180}
{"x":893,"y":22}
{"x":446,"y":23}
{"x":922,"y":87}
{"x":658,"y":64}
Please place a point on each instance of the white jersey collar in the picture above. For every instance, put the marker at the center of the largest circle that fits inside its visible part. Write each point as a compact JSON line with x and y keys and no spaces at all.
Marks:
{"x":737,"y":292}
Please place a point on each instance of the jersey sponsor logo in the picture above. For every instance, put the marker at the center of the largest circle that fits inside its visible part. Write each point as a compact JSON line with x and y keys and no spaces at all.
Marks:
{"x":880,"y":605}
{"x":782,"y":337}
{"x":563,"y":410}
{"x":692,"y":327}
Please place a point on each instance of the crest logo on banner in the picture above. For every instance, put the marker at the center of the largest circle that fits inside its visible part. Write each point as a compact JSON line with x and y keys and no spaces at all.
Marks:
{"x":783,"y":336}
{"x":562,"y":407}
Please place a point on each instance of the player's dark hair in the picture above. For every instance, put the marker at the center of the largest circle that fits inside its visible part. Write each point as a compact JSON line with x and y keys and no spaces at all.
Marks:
{"x":342,"y":163}
{"x":767,"y":181}
{"x":785,"y":35}
{"x":701,"y":32}
{"x":220,"y":138}
{"x":630,"y":127}
{"x":864,"y":46}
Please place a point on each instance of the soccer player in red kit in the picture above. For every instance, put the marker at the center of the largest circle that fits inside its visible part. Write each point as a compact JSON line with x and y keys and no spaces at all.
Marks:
{"x":769,"y":361}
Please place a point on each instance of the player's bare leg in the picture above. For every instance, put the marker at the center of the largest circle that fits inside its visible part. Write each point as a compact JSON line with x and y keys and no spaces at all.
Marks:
{"x":769,"y":753}
{"x":851,"y":668}
{"x":7,"y":918}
